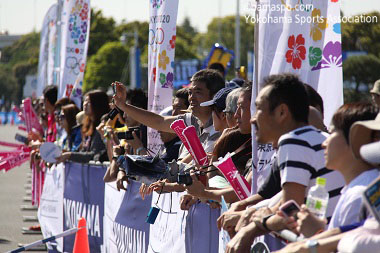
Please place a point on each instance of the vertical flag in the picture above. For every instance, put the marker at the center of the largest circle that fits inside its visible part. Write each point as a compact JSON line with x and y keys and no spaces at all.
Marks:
{"x":74,"y":44}
{"x":162,"y":37}
{"x":303,"y":37}
{"x":46,"y":58}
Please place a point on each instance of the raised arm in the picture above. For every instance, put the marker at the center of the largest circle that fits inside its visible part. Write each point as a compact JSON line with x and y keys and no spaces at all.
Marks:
{"x":145,"y":117}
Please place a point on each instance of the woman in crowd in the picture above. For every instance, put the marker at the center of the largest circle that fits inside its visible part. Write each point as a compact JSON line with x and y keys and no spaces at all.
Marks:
{"x":61,"y":133}
{"x":92,"y":147}
{"x":67,"y":120}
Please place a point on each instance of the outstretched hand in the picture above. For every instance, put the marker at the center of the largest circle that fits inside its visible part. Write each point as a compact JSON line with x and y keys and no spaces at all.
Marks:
{"x":121,"y":94}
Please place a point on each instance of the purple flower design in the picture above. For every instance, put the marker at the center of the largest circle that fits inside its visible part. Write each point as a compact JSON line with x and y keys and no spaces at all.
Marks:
{"x":84,"y":27}
{"x":81,"y":39}
{"x":79,"y":92}
{"x":70,"y":27}
{"x":169,"y":80}
{"x":332,"y":56}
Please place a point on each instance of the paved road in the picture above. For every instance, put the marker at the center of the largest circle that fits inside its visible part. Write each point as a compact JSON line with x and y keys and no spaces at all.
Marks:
{"x":12,"y":192}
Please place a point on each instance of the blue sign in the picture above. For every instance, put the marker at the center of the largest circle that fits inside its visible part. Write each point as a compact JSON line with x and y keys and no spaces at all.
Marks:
{"x":84,"y":197}
{"x":130,"y":228}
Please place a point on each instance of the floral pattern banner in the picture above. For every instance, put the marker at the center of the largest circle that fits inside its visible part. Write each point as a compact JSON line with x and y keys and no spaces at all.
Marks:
{"x":74,"y":44}
{"x":303,"y":37}
{"x":162,"y":37}
{"x":47,"y":50}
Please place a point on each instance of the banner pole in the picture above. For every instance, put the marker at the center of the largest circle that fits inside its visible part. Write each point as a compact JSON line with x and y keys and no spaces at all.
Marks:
{"x":57,"y":58}
{"x":52,"y":238}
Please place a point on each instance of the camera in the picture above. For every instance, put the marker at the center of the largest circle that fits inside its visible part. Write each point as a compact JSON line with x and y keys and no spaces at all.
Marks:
{"x":184,"y":178}
{"x":127,"y":135}
{"x":290,"y":209}
{"x":112,"y":114}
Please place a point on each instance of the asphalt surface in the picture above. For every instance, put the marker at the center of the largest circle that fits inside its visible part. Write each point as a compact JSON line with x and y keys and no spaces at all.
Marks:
{"x":12,"y":192}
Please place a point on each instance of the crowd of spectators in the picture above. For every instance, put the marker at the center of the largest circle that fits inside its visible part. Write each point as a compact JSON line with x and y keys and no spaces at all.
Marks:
{"x":288,"y":117}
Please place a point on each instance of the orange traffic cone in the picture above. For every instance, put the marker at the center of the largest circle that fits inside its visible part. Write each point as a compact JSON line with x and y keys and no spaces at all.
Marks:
{"x":81,"y":238}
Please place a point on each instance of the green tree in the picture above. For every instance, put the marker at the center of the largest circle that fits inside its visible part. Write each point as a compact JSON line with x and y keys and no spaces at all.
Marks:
{"x":105,"y":66}
{"x":19,"y":60}
{"x":26,"y":49}
{"x":20,"y":71}
{"x":102,"y":30}
{"x":188,"y":28}
{"x":362,"y":36}
{"x":8,"y":86}
{"x":222,"y":31}
{"x":361,"y":70}
{"x":142,"y":29}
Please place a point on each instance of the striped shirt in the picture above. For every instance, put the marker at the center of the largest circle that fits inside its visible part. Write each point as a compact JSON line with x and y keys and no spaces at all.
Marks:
{"x":301,"y":160}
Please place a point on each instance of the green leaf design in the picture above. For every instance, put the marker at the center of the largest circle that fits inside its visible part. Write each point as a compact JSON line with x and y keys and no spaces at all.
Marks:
{"x":162,"y":78}
{"x":315,"y":55}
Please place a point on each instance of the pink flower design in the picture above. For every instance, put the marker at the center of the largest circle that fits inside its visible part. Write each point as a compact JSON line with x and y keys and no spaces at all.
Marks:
{"x":172,"y":42}
{"x":297,"y":51}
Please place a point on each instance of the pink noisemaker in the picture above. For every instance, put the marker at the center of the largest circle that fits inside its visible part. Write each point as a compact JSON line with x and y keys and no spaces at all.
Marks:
{"x":197,"y":150}
{"x":31,"y":119}
{"x":241,"y":187}
{"x":178,"y":126}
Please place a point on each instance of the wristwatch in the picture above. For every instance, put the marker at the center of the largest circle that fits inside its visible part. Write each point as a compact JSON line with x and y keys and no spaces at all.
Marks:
{"x":312,"y":245}
{"x":264,"y":221}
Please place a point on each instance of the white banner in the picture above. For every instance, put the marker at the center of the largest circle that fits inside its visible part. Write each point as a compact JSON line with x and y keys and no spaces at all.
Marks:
{"x":112,"y":202}
{"x":167,"y":234}
{"x":302,"y":37}
{"x":47,"y":45}
{"x":75,"y":31}
{"x":162,"y":37}
{"x":50,"y":211}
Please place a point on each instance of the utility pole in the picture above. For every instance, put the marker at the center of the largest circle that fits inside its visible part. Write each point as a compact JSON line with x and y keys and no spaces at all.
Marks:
{"x":237,"y":35}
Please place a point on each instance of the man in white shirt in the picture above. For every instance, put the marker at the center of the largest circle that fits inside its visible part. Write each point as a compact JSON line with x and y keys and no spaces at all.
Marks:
{"x":281,"y":118}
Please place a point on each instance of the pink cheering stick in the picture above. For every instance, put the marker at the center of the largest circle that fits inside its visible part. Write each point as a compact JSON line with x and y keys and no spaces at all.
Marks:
{"x":197,"y":151}
{"x":31,"y":119}
{"x":19,"y":112}
{"x":13,"y":145}
{"x":241,"y":187}
{"x":199,"y":154}
{"x":5,"y":154}
{"x":22,"y":128}
{"x":13,"y":161}
{"x":178,"y":126}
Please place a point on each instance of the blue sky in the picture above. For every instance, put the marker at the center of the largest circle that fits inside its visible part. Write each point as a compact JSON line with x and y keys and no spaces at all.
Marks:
{"x":21,"y":16}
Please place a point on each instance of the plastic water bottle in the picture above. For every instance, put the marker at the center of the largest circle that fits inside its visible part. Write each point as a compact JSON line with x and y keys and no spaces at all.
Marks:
{"x":318,"y":198}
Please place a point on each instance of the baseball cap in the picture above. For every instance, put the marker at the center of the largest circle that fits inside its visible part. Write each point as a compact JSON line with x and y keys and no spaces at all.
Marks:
{"x":219,"y":99}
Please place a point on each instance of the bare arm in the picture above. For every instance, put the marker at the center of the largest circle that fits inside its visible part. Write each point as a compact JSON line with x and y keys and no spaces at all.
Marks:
{"x":145,"y":117}
{"x":328,"y":244}
{"x":293,"y":191}
{"x":216,"y":194}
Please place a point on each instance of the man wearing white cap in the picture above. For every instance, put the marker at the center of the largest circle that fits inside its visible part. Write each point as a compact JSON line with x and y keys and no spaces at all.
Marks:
{"x":375,"y":93}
